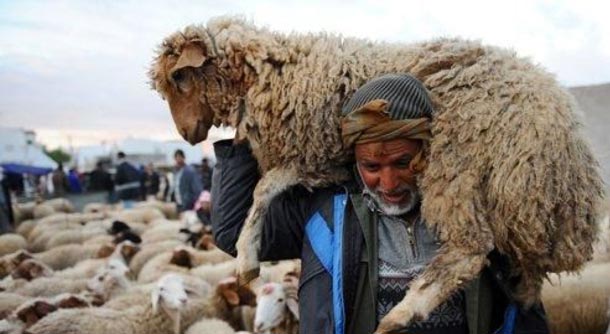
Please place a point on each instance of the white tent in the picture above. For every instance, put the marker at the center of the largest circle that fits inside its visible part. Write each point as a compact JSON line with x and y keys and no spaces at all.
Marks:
{"x":18,"y":147}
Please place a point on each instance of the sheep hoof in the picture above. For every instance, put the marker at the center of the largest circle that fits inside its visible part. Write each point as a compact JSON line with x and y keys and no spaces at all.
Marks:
{"x":247,"y":276}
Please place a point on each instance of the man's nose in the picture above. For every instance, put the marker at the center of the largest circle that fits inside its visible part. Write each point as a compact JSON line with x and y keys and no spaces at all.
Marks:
{"x":388,"y":180}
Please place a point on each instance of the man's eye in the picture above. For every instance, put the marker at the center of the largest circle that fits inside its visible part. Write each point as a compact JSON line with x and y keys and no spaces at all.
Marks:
{"x":370,"y":167}
{"x":403,"y":163}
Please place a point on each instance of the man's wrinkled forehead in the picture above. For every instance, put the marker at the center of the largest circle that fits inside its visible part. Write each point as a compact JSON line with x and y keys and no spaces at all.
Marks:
{"x":397,"y":147}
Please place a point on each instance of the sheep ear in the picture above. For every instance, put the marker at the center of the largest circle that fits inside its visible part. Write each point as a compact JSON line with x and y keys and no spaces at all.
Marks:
{"x":155,"y":296}
{"x":293,"y":307}
{"x":231,"y":297}
{"x":191,"y":56}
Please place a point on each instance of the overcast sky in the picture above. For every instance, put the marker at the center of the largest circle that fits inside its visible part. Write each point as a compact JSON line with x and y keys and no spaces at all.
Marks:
{"x":76,"y":70}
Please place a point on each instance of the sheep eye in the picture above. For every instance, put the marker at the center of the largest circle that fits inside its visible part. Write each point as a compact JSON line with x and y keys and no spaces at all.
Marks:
{"x":100,"y":278}
{"x":281,"y":300}
{"x":178,"y":76}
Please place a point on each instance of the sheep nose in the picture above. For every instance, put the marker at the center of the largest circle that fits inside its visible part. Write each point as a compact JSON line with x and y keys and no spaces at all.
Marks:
{"x":183,"y":301}
{"x":259,"y":327}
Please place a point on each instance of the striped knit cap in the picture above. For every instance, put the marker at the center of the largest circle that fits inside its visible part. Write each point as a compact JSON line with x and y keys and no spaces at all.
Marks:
{"x":407,"y":96}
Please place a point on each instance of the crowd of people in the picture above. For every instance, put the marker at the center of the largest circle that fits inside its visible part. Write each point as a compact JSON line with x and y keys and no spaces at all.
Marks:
{"x":188,"y":186}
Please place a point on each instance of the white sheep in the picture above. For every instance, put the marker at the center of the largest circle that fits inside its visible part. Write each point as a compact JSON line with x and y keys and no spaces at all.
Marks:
{"x":51,"y":286}
{"x":76,"y":236}
{"x":111,"y":281}
{"x":148,"y":252}
{"x":165,"y":313}
{"x":277,"y":308}
{"x":141,"y":215}
{"x":10,"y":261}
{"x":60,"y":205}
{"x":43,"y":210}
{"x":181,"y":259}
{"x":210,"y":326}
{"x":9,"y":302}
{"x":214,"y":273}
{"x":65,"y":256}
{"x":10,"y":327}
{"x":10,"y":243}
{"x":169,"y":209}
{"x":89,"y":267}
{"x":25,"y":227}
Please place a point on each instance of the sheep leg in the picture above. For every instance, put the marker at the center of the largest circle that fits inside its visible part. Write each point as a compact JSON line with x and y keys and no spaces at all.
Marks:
{"x":274,"y":182}
{"x":446,"y":273}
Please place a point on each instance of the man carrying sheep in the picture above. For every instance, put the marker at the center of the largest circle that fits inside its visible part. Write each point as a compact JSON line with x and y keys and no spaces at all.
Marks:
{"x":362,"y":243}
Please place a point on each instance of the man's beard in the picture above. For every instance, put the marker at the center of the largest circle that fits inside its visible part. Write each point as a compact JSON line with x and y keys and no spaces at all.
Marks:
{"x":395,"y":209}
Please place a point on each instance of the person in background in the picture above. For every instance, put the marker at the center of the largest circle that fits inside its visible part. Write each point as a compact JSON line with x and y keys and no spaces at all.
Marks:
{"x":74,"y":181}
{"x":100,"y":180}
{"x":206,"y":174}
{"x":127,"y":181}
{"x":6,"y":208}
{"x":60,"y":181}
{"x":150,"y":182}
{"x":186,"y":187}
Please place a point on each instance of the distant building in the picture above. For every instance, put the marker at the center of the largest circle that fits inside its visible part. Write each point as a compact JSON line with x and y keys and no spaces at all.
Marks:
{"x":144,"y":151}
{"x":20,"y":153}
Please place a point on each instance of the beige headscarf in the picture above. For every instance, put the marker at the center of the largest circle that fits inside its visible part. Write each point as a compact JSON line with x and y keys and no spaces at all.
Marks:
{"x":372,"y":123}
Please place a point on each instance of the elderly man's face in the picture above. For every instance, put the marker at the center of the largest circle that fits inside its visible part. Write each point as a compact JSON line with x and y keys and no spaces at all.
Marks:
{"x":384,"y":169}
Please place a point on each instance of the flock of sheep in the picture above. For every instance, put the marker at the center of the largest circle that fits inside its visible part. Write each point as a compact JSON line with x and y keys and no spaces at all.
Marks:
{"x":143,"y":270}
{"x":140,"y":270}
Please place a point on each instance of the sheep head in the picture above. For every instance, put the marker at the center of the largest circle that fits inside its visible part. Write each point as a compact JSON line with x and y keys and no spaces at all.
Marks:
{"x":170,"y":293}
{"x":186,"y":74}
{"x":34,"y":311}
{"x":232,"y":294}
{"x":31,"y":269}
{"x":181,"y":257}
{"x":274,"y":301}
{"x":204,"y":73}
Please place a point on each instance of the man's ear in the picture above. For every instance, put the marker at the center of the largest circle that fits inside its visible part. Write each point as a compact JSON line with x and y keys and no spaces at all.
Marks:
{"x":192,"y":55}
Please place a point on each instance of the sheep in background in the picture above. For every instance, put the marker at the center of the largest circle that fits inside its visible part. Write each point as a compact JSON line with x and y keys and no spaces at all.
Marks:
{"x":182,"y":259}
{"x":10,"y":261}
{"x":111,"y":281}
{"x":148,"y":252}
{"x":35,"y":309}
{"x":60,"y":205}
{"x":25,"y":227}
{"x":210,"y":326}
{"x":169,"y":209}
{"x":123,"y":252}
{"x":10,"y":327}
{"x":10,"y":243}
{"x":277,"y":308}
{"x":578,"y":303}
{"x":168,"y":310}
{"x":43,"y":210}
{"x":500,"y":122}
{"x":31,"y":269}
{"x":162,"y":314}
{"x":51,"y":286}
{"x":137,"y":215}
{"x":9,"y":302}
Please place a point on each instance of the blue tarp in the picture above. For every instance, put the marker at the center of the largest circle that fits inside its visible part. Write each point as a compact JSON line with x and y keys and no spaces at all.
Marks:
{"x":23,"y":169}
